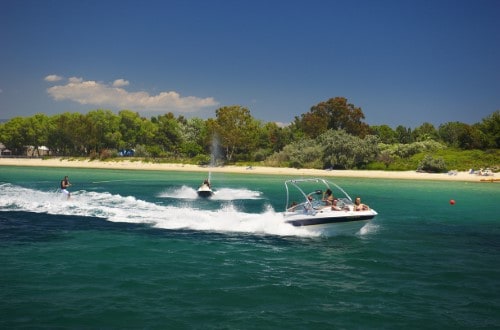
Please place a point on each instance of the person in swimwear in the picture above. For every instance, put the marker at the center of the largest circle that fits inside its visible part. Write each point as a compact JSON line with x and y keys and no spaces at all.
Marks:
{"x":64,"y":185}
{"x":358,"y":206}
{"x":334,"y":206}
{"x":328,"y":197}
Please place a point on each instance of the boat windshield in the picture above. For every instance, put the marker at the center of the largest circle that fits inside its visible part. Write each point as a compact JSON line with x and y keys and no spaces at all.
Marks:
{"x":310,"y":193}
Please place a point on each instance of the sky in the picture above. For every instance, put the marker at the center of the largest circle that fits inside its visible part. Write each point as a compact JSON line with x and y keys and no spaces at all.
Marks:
{"x":403,"y":62}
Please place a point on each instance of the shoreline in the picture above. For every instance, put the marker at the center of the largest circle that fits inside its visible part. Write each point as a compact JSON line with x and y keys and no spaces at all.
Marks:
{"x":139,"y":165}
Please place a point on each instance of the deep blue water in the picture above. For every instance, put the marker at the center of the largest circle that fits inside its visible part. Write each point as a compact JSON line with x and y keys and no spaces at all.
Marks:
{"x":137,"y":249}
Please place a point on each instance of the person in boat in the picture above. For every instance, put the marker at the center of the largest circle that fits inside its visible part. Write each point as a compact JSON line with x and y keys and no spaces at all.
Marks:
{"x":206,"y":183}
{"x":292,"y":207}
{"x":309,"y":206}
{"x":334,"y":206}
{"x":358,"y":206}
{"x":328,"y":197}
{"x":64,"y":186}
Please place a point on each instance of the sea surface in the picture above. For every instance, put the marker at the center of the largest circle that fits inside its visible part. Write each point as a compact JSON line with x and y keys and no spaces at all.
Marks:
{"x":138,"y":249}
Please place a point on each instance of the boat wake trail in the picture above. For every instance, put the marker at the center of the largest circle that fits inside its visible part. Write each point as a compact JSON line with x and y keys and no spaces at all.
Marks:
{"x":117,"y":208}
{"x":222,"y":194}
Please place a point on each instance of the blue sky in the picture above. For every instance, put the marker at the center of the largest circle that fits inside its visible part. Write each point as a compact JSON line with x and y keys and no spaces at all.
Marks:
{"x":404,"y":62}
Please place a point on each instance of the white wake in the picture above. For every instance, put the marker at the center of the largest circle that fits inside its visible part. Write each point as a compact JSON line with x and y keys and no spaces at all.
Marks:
{"x":117,"y":208}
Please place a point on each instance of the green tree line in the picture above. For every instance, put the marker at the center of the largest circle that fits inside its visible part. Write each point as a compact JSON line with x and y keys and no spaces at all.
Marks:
{"x":332,"y":134}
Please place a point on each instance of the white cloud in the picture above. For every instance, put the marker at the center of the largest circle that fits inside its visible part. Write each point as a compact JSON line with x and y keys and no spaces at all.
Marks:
{"x":120,"y":83}
{"x":53,"y":78}
{"x":75,"y":80}
{"x":112,"y":95}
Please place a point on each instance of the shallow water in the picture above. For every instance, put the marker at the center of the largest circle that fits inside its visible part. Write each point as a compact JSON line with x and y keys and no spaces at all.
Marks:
{"x":137,"y":249}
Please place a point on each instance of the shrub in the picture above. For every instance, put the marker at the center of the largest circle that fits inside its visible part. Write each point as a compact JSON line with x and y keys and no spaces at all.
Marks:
{"x":432,"y":165}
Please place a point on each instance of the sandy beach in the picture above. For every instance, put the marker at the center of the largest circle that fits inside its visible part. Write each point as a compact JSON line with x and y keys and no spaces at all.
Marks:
{"x":139,"y":165}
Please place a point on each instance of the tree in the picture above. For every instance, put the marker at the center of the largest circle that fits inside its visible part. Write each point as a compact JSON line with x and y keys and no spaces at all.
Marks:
{"x":303,"y":153}
{"x":312,"y":124}
{"x":460,"y":135}
{"x":272,"y":137}
{"x":147,"y":132}
{"x":68,"y":134}
{"x":298,"y":154}
{"x":490,"y":126}
{"x":424,"y":132}
{"x":13,"y":134}
{"x":385,"y":133}
{"x":168,"y":136}
{"x":403,"y":134}
{"x":336,"y":114}
{"x":343,"y":150}
{"x":103,"y":130}
{"x":473,"y":138}
{"x":130,"y":128}
{"x":193,"y":136}
{"x":237,"y":130}
{"x":450,"y":133}
{"x":37,"y":131}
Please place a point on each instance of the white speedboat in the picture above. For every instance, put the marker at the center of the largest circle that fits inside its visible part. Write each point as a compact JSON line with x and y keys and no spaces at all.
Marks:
{"x":309,"y":207}
{"x":205,"y":190}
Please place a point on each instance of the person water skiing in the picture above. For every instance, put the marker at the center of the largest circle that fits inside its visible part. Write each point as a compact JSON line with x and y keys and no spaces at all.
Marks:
{"x":64,"y":185}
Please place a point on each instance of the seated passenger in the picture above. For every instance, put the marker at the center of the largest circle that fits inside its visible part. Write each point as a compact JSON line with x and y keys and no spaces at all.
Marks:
{"x":334,"y":206}
{"x":328,"y":197}
{"x":292,"y":207}
{"x":358,"y":206}
{"x":308,"y":206}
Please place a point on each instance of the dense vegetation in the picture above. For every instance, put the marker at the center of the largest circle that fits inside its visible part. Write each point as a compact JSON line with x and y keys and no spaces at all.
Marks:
{"x":332,"y":134}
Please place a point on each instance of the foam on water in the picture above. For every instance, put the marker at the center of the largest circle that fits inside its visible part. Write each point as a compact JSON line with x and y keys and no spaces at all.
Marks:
{"x":117,"y":208}
{"x":222,"y":194}
{"x":369,"y":228}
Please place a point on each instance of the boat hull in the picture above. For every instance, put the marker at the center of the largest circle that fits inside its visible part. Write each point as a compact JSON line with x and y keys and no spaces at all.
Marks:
{"x":329,"y":221}
{"x":338,"y":229}
{"x":341,"y":223}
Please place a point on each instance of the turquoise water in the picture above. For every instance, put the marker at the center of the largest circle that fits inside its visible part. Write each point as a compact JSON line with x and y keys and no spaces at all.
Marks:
{"x":137,"y":249}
